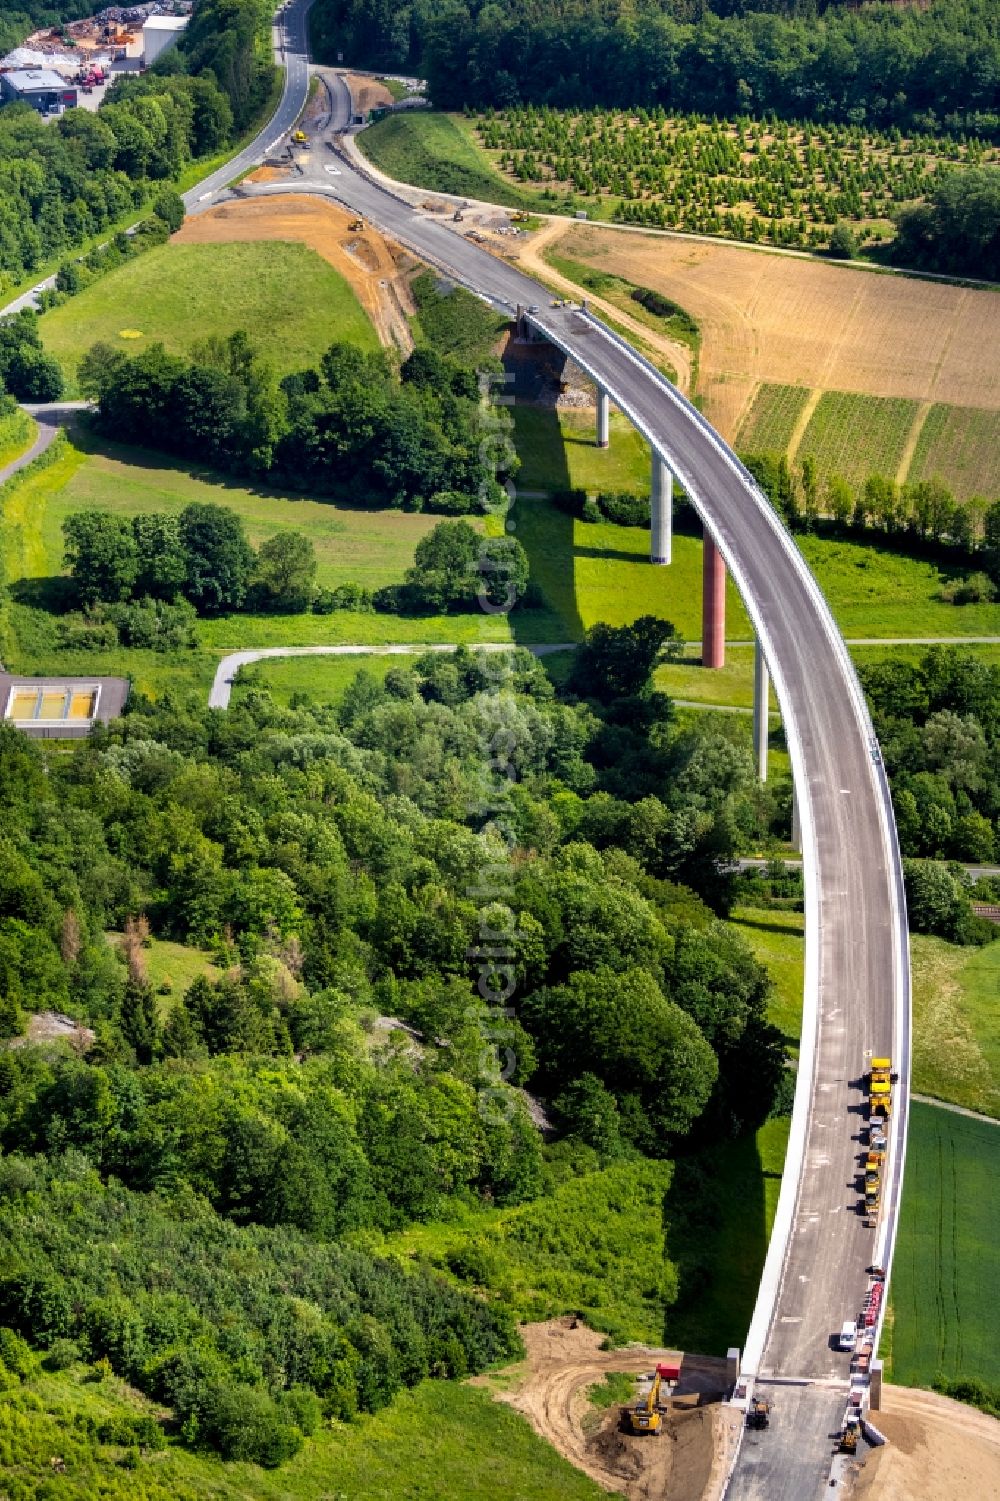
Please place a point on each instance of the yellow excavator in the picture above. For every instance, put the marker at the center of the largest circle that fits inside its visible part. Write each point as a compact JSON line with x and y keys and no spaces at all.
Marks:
{"x":644,"y":1416}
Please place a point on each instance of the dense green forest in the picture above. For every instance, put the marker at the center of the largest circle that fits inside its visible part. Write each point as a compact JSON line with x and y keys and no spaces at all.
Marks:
{"x":925,"y":67}
{"x":938,"y":722}
{"x":64,"y":181}
{"x":208,"y":1159}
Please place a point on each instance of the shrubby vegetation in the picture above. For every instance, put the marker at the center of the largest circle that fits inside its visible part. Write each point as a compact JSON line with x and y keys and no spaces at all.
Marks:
{"x":204,"y":1159}
{"x":758,"y":58}
{"x":26,"y":371}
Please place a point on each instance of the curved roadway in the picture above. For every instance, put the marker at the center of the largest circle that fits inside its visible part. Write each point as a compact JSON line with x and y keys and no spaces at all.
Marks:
{"x":857,"y":968}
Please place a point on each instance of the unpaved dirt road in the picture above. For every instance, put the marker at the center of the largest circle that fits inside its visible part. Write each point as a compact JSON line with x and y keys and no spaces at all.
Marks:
{"x":366,"y":261}
{"x":550,"y":1388}
{"x":938,"y":1450}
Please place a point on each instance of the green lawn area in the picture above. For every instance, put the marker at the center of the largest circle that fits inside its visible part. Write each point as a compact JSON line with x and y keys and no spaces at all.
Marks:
{"x":873,"y":592}
{"x":960,"y":445}
{"x":559,"y":452}
{"x":434,"y":151}
{"x":421,"y":1446}
{"x":291,"y":302}
{"x":855,"y":436}
{"x":770,"y":422}
{"x":370,"y":547}
{"x":945,"y":1313}
{"x":17,"y":432}
{"x":775,"y":936}
{"x":324,"y":679}
{"x":956,"y":1023}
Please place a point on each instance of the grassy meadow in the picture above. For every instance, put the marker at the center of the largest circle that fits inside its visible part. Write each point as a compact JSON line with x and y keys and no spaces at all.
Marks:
{"x":435,"y":151}
{"x":291,"y":302}
{"x":956,"y":1023}
{"x":945,"y":1315}
{"x":418,"y":1447}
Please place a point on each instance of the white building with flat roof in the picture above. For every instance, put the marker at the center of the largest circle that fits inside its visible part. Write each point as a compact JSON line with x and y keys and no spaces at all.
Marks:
{"x":159,"y":33}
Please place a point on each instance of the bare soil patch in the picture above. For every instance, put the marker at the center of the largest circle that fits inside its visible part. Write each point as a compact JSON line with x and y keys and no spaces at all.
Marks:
{"x":372,"y":267}
{"x":795,"y":321}
{"x":550,"y":1388}
{"x":368,"y":93}
{"x":938,"y":1450}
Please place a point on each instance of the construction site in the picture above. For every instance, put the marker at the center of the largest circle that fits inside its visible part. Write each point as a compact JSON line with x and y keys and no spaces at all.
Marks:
{"x":86,"y":53}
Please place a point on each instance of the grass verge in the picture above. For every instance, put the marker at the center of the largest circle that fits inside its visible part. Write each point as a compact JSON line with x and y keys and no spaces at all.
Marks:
{"x":431,"y":151}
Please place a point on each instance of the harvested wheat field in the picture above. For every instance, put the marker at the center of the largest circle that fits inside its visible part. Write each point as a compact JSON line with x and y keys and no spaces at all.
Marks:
{"x":564,"y":1359}
{"x":938,"y":1450}
{"x":370,"y":266}
{"x":798,"y":322}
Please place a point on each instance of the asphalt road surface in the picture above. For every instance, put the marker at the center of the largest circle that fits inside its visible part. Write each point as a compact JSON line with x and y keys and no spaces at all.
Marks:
{"x":857,"y":982}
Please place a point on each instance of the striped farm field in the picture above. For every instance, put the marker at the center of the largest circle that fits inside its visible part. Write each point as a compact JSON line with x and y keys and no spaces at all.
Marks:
{"x":856,"y":436}
{"x":960,"y":445}
{"x":945,"y":1313}
{"x":770,"y":422}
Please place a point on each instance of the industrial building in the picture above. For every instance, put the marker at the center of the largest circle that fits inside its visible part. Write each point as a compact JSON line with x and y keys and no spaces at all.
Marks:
{"x":159,"y":33}
{"x":61,"y":708}
{"x":42,"y":88}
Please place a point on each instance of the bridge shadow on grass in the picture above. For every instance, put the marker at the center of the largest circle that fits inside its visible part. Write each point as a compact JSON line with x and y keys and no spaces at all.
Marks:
{"x":715,"y":1228}
{"x":546,"y":533}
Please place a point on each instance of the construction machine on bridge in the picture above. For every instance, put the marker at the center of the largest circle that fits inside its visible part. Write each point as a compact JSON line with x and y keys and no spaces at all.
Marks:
{"x":758,"y":1413}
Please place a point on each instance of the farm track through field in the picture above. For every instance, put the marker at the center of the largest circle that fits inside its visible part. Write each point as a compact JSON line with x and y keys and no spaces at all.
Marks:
{"x":802,"y":422}
{"x":912,"y":439}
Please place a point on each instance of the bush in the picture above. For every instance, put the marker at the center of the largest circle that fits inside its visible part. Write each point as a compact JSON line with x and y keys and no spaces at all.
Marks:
{"x":973,"y":589}
{"x":244,"y":1423}
{"x":343,"y":597}
{"x":843,"y":244}
{"x":450,"y":503}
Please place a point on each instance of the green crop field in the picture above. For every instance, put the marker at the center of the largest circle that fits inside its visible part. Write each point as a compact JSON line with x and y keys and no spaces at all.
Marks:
{"x":291,"y":302}
{"x":433,"y":151}
{"x":418,"y":1447}
{"x":856,"y":436}
{"x":945,"y":1313}
{"x":769,"y":424}
{"x":956,"y":1023}
{"x":960,"y":445}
